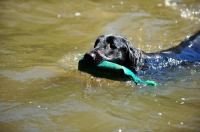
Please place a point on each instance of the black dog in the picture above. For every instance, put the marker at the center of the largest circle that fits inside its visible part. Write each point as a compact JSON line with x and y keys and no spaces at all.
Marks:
{"x":117,"y":49}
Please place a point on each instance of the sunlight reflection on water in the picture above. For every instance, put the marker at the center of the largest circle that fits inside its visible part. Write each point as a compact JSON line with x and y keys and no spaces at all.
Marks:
{"x":42,"y":90}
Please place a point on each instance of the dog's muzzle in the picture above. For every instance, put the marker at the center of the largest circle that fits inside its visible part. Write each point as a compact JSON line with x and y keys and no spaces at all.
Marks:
{"x":93,"y":58}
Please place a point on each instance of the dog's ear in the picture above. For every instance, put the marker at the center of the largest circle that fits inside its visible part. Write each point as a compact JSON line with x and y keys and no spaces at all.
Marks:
{"x":134,"y":59}
{"x":98,"y":40}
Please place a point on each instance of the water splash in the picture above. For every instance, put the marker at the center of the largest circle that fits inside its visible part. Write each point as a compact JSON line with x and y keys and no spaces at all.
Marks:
{"x":191,"y":12}
{"x":69,"y":62}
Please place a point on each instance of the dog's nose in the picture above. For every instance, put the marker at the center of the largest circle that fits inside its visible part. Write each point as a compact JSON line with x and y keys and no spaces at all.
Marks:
{"x":90,"y":56}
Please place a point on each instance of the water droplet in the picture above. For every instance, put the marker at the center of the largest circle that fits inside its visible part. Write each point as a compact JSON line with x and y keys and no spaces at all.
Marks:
{"x":174,"y":4}
{"x":159,"y":5}
{"x":77,"y":14}
{"x":181,"y":123}
{"x":58,"y":15}
{"x":182,"y":98}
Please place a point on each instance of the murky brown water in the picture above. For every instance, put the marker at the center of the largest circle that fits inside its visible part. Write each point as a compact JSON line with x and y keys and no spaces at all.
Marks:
{"x":42,"y":90}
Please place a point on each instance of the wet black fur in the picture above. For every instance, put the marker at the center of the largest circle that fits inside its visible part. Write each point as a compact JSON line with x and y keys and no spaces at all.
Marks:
{"x":117,"y":49}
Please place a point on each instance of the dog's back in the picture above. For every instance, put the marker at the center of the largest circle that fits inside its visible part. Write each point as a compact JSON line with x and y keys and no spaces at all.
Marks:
{"x":188,"y":50}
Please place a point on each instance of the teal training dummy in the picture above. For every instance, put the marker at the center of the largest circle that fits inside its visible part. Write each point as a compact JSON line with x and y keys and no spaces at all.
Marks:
{"x":111,"y":70}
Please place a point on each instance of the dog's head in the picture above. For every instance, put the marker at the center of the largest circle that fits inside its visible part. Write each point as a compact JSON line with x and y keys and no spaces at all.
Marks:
{"x":114,"y":48}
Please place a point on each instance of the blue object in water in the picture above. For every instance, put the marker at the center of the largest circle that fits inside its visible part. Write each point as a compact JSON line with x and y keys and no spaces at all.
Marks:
{"x":110,"y":69}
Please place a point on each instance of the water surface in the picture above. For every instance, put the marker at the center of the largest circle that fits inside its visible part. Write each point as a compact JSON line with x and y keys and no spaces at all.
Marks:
{"x":42,"y":90}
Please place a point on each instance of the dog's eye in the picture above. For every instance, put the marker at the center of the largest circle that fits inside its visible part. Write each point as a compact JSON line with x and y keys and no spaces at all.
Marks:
{"x":113,"y":46}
